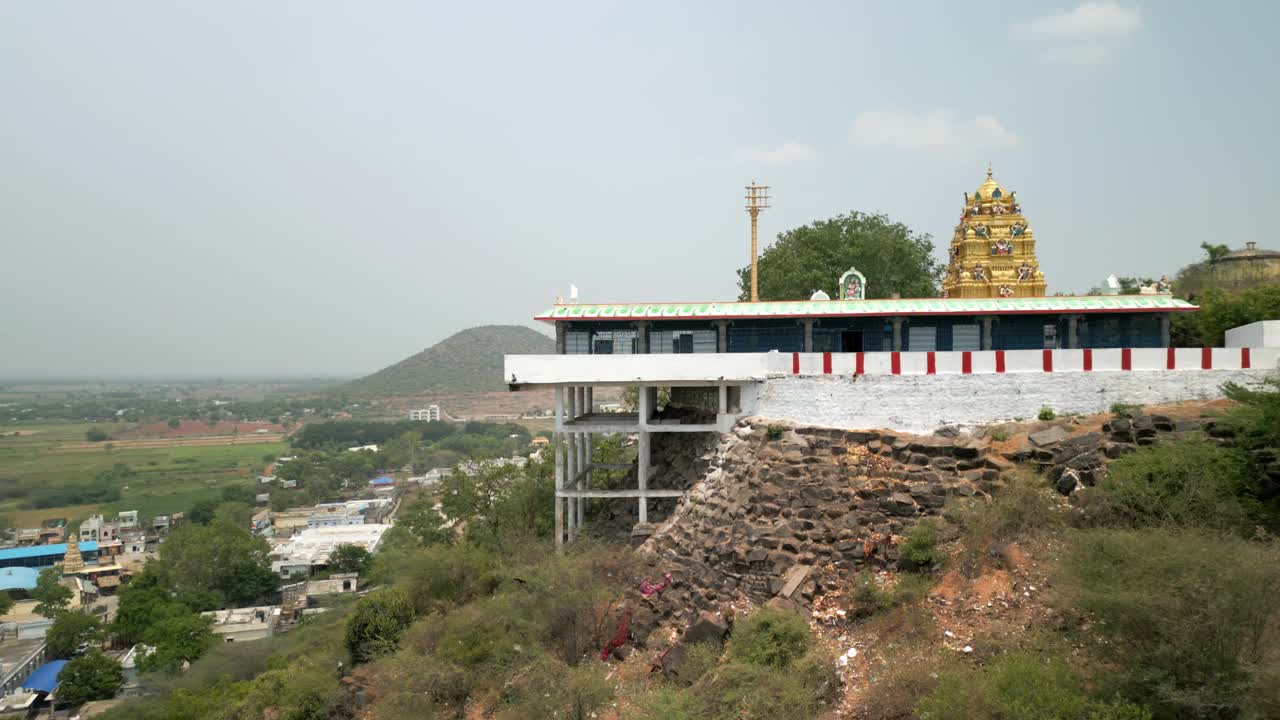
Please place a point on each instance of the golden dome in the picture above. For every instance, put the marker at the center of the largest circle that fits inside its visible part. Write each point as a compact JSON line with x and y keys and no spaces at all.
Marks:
{"x":987,"y":189}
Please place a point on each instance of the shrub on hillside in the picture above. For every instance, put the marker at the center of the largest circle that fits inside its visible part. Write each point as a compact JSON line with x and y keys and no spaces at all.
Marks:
{"x":1125,"y":410}
{"x":769,"y":638}
{"x":377,"y":623}
{"x":1021,"y":508}
{"x":439,"y":575}
{"x":1186,"y":618}
{"x":1187,"y":483}
{"x":1020,"y":687}
{"x":1046,"y":413}
{"x":739,"y":689}
{"x":921,"y":545}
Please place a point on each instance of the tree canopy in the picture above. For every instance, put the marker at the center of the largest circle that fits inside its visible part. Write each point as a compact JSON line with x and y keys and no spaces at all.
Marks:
{"x":93,"y":676}
{"x":894,"y":259}
{"x":1220,"y":311}
{"x":51,"y":596}
{"x":209,"y":566}
{"x":69,"y":631}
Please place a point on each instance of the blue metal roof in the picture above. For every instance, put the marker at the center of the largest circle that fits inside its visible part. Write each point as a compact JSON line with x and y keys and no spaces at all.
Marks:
{"x":45,"y":678}
{"x":18,"y":578}
{"x":384,"y":480}
{"x":40,"y":551}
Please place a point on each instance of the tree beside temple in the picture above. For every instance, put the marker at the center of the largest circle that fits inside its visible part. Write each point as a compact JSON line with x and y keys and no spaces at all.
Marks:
{"x":893,"y":257}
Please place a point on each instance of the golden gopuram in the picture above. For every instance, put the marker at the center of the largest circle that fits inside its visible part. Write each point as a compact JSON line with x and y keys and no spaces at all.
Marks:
{"x":993,"y":253}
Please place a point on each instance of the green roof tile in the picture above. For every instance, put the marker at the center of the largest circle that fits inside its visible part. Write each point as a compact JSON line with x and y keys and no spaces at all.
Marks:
{"x":914,"y":306}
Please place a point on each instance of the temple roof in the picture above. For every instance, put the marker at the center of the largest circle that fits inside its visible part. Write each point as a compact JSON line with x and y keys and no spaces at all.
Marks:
{"x":868,"y":308}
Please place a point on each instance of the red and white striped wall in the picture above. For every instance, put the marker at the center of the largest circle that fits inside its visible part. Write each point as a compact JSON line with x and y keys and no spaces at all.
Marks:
{"x":1023,"y":361}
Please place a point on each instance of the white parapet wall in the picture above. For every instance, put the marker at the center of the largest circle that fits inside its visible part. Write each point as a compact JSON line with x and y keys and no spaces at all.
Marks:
{"x":920,"y":391}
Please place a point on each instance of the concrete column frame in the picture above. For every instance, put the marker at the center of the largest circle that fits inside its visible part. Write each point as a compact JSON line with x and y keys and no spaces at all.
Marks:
{"x":808,"y":334}
{"x":897,"y":333}
{"x":722,"y":336}
{"x":642,"y":337}
{"x":986,"y":331}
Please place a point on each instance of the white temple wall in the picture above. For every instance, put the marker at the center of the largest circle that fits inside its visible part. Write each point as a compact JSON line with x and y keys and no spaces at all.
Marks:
{"x":922,"y":403}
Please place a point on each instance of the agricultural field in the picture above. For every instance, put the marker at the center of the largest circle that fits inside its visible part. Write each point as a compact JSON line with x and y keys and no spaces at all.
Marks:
{"x":50,"y":471}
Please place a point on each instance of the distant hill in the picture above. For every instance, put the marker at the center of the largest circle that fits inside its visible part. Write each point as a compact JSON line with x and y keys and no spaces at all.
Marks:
{"x":468,"y":361}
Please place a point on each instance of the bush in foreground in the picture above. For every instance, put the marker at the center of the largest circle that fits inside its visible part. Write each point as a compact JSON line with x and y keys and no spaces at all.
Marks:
{"x":1020,"y":687}
{"x":1188,"y":483}
{"x":377,"y":623}
{"x":1186,"y":617}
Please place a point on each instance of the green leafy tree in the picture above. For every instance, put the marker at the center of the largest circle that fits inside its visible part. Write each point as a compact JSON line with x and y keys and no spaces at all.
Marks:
{"x":209,"y":566}
{"x":1214,"y":253}
{"x":141,"y":601}
{"x":376,"y":624}
{"x":178,"y":637}
{"x":202,"y":512}
{"x":51,"y":596}
{"x":1220,"y":311}
{"x":69,"y":631}
{"x":96,"y":435}
{"x":93,"y":676}
{"x":6,"y":603}
{"x":175,"y":422}
{"x":422,"y":524}
{"x":894,"y":259}
{"x":350,"y":558}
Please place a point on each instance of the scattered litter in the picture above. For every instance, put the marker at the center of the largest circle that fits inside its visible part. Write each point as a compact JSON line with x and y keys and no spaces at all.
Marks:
{"x":949,"y":634}
{"x":968,"y":649}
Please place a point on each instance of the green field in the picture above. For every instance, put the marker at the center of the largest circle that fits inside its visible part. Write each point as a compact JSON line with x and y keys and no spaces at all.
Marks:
{"x":163,"y":480}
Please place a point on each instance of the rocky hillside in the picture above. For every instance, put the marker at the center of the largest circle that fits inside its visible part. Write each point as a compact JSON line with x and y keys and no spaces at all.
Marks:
{"x":468,"y":361}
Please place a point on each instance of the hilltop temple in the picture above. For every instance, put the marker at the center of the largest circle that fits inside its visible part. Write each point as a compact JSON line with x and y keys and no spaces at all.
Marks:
{"x":993,"y":252}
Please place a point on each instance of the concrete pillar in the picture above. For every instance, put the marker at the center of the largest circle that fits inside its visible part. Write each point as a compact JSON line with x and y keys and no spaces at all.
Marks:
{"x":897,"y":333}
{"x":571,"y":462}
{"x":642,"y":474}
{"x":581,"y":458}
{"x":724,"y":399}
{"x":986,"y":331}
{"x":1073,"y":331}
{"x":722,"y":336}
{"x":559,"y":464}
{"x":644,"y":408}
{"x":561,"y":329}
{"x":1165,"y":340}
{"x":808,"y":334}
{"x":642,"y":336}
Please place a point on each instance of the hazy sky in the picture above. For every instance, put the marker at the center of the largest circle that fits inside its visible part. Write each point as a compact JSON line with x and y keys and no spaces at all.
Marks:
{"x":319,"y":187}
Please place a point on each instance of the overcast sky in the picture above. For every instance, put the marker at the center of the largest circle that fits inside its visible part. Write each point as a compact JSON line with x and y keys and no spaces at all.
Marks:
{"x":318,"y":187}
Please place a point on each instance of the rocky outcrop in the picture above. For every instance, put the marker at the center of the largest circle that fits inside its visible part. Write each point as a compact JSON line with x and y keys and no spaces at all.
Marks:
{"x":811,"y":498}
{"x":1072,"y":462}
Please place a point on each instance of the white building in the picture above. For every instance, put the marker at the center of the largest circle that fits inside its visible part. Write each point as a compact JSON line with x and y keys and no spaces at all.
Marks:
{"x":241,"y":624}
{"x":127,"y":519}
{"x":310,"y":549}
{"x":430,"y":413}
{"x":363,"y":448}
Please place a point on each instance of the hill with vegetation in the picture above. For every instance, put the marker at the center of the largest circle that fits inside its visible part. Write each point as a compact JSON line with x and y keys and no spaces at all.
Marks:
{"x":467,"y":361}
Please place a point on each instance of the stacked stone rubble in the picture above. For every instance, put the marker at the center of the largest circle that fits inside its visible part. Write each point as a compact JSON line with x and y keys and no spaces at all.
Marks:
{"x":775,"y":501}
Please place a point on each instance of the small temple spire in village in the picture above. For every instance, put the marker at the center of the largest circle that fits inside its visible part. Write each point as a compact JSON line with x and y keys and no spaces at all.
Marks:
{"x":73,"y":561}
{"x":993,"y":251}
